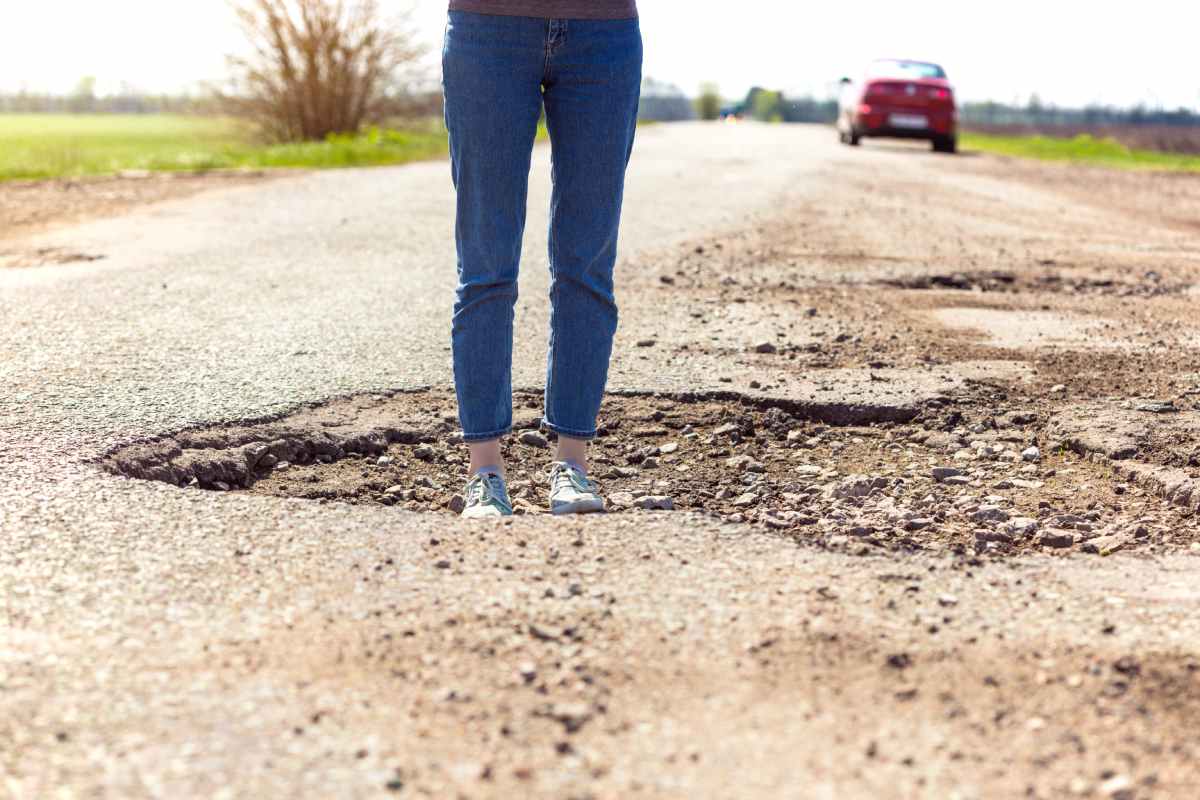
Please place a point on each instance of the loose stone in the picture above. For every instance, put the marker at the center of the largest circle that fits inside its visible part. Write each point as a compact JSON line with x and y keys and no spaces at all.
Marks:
{"x":942,"y":473}
{"x":655,"y":502}
{"x":533,"y":439}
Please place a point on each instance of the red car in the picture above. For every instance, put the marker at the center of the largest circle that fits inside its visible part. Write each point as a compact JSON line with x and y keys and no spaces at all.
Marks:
{"x":900,"y":99}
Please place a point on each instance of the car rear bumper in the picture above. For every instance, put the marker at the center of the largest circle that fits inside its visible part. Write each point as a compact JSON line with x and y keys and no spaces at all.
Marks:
{"x":879,"y":122}
{"x":903,"y":133}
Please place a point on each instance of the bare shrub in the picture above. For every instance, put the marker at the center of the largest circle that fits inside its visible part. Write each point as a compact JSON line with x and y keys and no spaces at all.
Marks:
{"x":320,"y":67}
{"x":708,"y":104}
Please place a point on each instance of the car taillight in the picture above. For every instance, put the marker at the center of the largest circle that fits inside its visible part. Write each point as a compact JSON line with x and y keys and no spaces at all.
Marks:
{"x":939,"y":94}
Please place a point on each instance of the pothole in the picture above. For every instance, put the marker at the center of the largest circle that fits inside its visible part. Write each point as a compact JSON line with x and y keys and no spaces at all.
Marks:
{"x":44,"y":256}
{"x":962,"y":479}
{"x":1148,"y":284}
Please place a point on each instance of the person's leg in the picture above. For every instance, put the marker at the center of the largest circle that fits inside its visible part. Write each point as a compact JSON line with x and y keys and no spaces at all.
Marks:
{"x":492,"y":72}
{"x":572,"y":451}
{"x":592,"y":87}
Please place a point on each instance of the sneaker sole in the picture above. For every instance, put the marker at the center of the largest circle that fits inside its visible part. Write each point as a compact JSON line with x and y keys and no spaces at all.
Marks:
{"x":484,"y":515}
{"x":579,"y":507}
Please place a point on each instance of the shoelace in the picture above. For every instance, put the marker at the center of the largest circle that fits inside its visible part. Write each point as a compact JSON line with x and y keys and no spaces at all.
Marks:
{"x":483,"y":489}
{"x":560,"y":474}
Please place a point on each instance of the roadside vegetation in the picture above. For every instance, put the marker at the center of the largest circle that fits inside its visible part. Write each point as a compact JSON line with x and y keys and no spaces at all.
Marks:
{"x":1081,"y":148}
{"x":37,"y":146}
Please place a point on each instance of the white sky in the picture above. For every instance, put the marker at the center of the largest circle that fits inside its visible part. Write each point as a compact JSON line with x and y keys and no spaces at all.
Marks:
{"x":1070,"y":52}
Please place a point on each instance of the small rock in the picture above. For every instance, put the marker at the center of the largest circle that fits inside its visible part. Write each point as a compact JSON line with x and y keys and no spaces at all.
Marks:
{"x":669,"y":447}
{"x":621,"y":499}
{"x":988,"y":536}
{"x":1058,"y":389}
{"x":282,"y":465}
{"x":1156,"y":407}
{"x":957,"y":480}
{"x":746,"y":499}
{"x":1022,"y":526}
{"x":990,"y":514}
{"x":456,"y":504}
{"x":1104,"y":545}
{"x":917,"y":523}
{"x":545,"y":633}
{"x":425,"y":452}
{"x":655,"y":502}
{"x":765,"y":347}
{"x":383,"y":461}
{"x":1031,"y":454}
{"x":942,"y":473}
{"x":533,"y":439}
{"x":1117,"y":785}
{"x":854,"y":486}
{"x":573,"y":716}
{"x":947,"y":600}
{"x":221,"y":486}
{"x":397,"y":489}
{"x":1021,"y":483}
{"x":646,"y":342}
{"x":1056,"y":538}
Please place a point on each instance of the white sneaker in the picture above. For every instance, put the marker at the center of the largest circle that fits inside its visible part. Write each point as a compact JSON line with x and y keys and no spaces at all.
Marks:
{"x":571,"y":492}
{"x":486,"y":496}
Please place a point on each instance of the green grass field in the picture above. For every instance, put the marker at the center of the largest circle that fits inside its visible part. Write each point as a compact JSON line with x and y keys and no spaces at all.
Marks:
{"x":36,"y":146}
{"x":1083,"y":149}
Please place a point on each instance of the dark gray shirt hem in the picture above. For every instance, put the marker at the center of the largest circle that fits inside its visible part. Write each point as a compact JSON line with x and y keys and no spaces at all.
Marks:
{"x":551,"y":9}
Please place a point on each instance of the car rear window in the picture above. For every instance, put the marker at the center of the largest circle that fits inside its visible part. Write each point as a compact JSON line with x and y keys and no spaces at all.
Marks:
{"x":911,"y":70}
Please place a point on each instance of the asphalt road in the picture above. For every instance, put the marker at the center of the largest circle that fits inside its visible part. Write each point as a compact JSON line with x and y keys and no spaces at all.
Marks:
{"x":166,"y":643}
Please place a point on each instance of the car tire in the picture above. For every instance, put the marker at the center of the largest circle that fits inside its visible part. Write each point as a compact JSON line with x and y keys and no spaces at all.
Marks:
{"x":945,"y":144}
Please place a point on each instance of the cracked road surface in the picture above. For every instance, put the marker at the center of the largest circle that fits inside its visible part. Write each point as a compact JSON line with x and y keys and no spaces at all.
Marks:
{"x":162,"y":642}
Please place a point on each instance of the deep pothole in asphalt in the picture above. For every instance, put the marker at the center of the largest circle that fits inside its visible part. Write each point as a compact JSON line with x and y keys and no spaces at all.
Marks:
{"x":963,"y":479}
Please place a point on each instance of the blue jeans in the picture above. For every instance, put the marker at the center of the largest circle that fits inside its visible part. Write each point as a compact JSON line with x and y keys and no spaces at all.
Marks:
{"x":498,"y":74}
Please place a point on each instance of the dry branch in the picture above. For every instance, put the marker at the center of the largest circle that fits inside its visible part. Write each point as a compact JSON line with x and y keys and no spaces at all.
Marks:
{"x":319,"y":67}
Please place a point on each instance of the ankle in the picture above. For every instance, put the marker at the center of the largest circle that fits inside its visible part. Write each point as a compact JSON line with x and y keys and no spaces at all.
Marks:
{"x":573,"y":452}
{"x":492,"y":469}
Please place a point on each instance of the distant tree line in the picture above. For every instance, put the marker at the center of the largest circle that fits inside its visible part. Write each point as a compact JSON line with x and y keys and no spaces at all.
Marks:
{"x":765,"y":105}
{"x":84,"y":100}
{"x":661,"y":101}
{"x":664,"y":102}
{"x":1036,"y":114}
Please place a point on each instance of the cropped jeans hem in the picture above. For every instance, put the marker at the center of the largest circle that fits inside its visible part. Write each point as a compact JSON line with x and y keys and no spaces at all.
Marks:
{"x":476,"y":438}
{"x":585,"y":436}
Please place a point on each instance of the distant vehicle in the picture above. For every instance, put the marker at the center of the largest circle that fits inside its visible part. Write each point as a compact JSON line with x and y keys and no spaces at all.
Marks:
{"x":899,"y":99}
{"x":734,"y":113}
